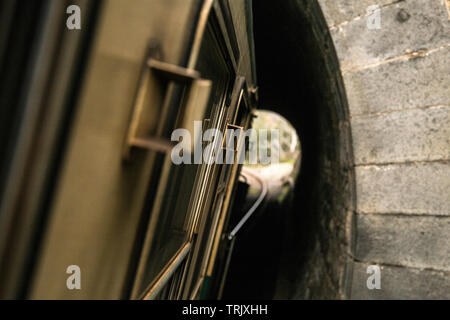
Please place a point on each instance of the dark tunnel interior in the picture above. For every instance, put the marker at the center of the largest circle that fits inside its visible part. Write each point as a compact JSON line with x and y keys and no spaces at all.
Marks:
{"x":298,"y":77}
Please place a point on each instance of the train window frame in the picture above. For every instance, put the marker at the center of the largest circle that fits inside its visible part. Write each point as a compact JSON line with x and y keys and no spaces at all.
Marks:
{"x":179,"y":265}
{"x":212,"y":171}
{"x":240,"y":105}
{"x":241,"y":112}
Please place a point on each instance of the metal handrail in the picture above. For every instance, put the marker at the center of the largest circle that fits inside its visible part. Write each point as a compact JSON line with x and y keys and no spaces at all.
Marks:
{"x":257,"y":203}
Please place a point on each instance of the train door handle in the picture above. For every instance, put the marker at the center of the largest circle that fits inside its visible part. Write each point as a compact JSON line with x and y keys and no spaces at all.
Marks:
{"x":197,"y":92}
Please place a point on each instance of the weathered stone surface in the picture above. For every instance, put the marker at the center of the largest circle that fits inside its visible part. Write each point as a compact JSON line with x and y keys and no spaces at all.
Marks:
{"x":337,"y":12}
{"x":398,"y":92}
{"x":406,"y":26}
{"x":412,"y":135}
{"x":423,"y":81}
{"x":400,"y":283}
{"x":415,"y":188}
{"x":420,"y":242}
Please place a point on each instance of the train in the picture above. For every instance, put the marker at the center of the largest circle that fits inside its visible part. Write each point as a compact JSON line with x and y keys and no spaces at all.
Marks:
{"x":93,"y":206}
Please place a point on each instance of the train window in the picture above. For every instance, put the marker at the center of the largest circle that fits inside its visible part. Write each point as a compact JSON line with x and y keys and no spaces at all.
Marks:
{"x":171,"y":232}
{"x":186,"y":186}
{"x":213,"y":65}
{"x":212,"y":225}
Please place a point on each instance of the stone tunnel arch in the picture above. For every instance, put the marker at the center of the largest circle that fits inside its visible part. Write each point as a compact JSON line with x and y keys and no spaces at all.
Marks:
{"x":371,"y":107}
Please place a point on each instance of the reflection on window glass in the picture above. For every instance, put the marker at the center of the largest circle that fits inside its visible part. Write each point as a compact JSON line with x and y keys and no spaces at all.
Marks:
{"x":171,"y":229}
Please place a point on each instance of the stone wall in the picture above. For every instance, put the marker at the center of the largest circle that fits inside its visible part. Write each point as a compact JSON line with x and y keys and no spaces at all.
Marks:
{"x":398,"y":87}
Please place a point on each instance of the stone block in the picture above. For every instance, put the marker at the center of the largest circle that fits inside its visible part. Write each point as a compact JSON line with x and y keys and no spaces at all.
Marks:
{"x":413,"y":188}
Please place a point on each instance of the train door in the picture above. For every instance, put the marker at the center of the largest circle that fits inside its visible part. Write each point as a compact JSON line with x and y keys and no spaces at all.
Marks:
{"x":135,"y":223}
{"x":115,"y":160}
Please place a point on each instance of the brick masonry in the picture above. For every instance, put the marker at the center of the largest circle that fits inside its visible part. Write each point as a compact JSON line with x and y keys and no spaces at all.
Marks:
{"x":401,"y":84}
{"x":410,"y":188}
{"x":398,"y":90}
{"x":410,"y":135}
{"x":400,"y":283}
{"x":405,"y":27}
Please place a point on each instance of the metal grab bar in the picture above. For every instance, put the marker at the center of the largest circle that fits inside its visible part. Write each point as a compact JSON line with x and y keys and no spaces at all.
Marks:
{"x":258,"y":201}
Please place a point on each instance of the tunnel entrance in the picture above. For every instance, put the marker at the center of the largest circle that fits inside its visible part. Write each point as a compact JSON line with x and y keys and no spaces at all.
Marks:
{"x":298,"y":72}
{"x":287,"y":146}
{"x":264,"y":201}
